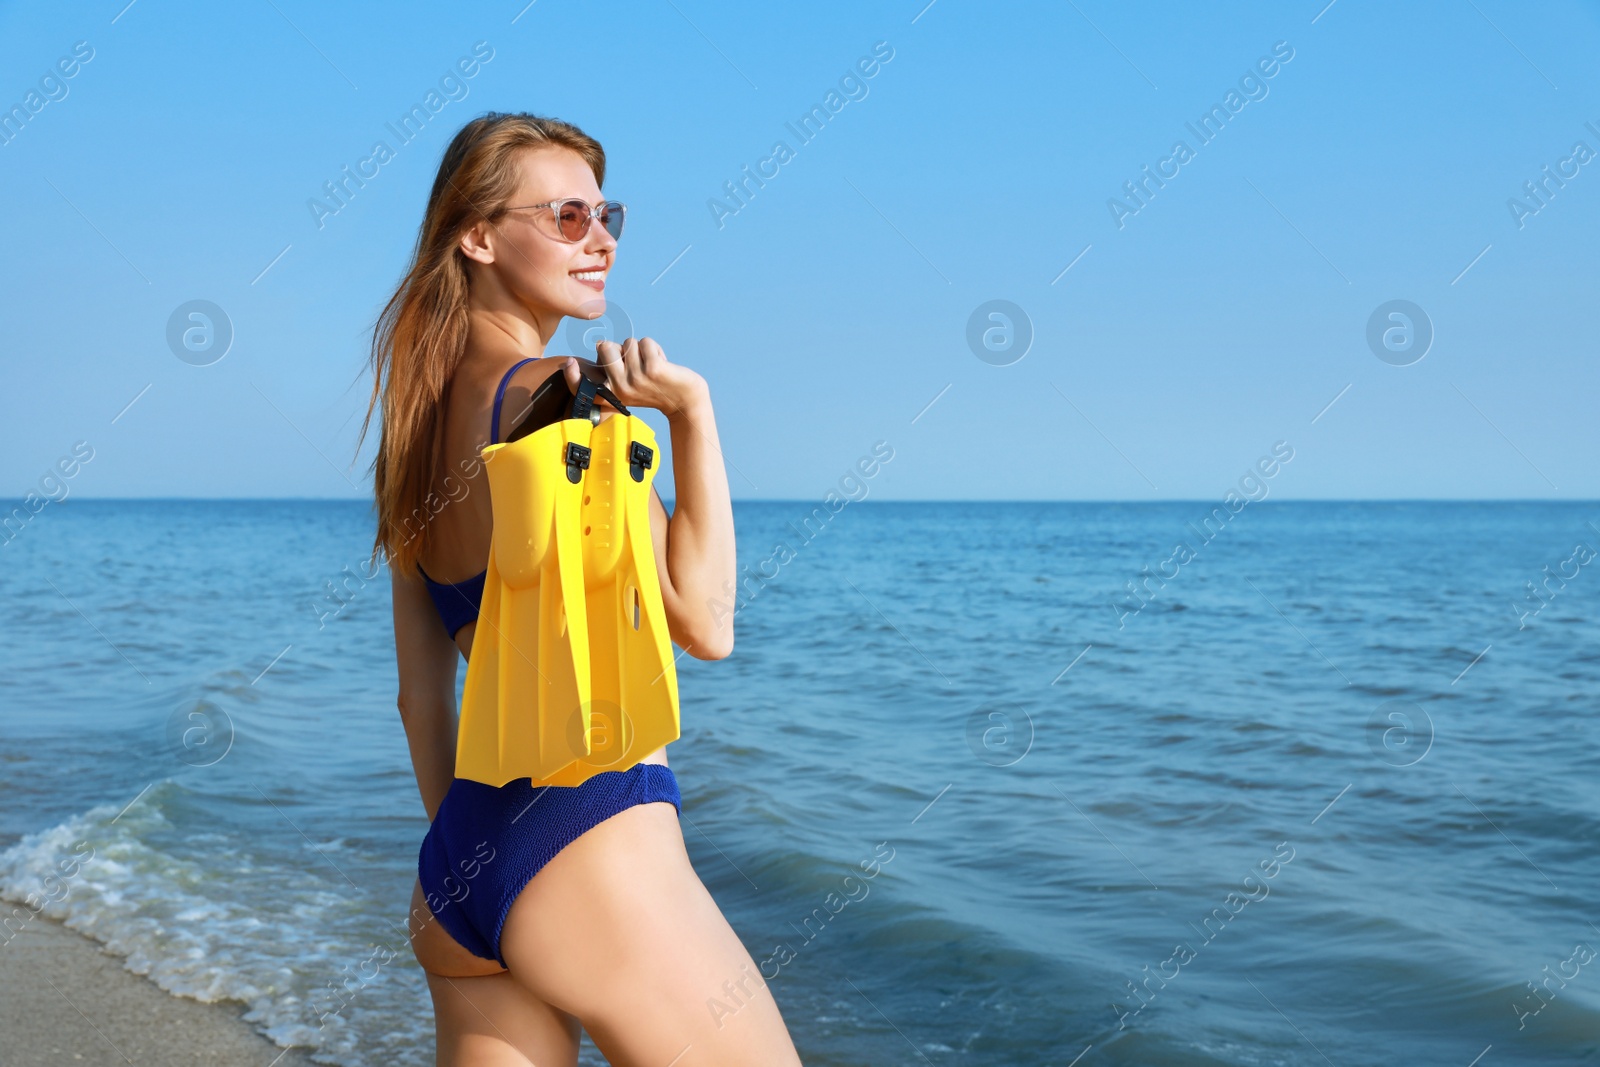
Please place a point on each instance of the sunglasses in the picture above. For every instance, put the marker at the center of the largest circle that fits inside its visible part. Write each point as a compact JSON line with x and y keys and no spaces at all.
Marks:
{"x":573,"y":217}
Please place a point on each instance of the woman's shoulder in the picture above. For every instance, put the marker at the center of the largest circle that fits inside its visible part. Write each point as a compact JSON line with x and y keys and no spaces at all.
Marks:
{"x":514,"y":395}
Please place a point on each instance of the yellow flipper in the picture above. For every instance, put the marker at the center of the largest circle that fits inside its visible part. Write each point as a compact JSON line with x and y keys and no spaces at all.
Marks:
{"x":571,"y":671}
{"x":525,"y":708}
{"x":633,"y":675}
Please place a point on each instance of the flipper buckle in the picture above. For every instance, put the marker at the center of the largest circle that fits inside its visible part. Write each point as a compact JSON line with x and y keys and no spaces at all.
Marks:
{"x":640,"y":457}
{"x":577,"y":461}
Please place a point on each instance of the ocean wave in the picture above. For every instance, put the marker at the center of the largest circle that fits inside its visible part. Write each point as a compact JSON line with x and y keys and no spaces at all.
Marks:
{"x":208,"y":919}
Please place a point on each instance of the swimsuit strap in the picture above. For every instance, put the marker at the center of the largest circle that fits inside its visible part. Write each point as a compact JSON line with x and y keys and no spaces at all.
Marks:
{"x":500,"y":395}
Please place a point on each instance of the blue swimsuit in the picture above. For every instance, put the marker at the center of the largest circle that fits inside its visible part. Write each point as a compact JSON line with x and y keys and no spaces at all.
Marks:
{"x":487,"y":842}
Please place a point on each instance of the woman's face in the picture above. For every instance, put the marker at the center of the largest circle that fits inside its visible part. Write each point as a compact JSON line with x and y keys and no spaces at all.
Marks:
{"x":541,"y":270}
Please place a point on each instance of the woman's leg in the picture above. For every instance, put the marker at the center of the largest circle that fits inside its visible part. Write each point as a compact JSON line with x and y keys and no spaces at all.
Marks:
{"x":619,"y":931}
{"x":482,"y":1017}
{"x":493,"y":1021}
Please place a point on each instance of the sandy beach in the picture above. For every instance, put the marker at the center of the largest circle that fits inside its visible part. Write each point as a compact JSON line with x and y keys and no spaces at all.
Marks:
{"x":63,"y":999}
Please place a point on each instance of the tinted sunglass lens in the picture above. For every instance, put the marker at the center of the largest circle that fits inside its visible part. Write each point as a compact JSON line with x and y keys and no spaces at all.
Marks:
{"x":611,"y":216}
{"x":573,"y":218}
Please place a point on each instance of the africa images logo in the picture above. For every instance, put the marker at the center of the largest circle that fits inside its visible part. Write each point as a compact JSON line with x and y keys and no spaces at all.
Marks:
{"x":1252,"y":87}
{"x":852,"y":85}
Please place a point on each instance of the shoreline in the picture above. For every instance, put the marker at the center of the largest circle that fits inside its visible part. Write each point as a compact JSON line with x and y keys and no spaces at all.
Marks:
{"x":65,"y":999}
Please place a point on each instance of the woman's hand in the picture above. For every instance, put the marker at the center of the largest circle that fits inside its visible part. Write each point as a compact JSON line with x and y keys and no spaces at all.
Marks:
{"x":638,"y":371}
{"x":694,"y":546}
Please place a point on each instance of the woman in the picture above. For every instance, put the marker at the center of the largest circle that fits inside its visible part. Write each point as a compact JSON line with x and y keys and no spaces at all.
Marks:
{"x":613,"y":929}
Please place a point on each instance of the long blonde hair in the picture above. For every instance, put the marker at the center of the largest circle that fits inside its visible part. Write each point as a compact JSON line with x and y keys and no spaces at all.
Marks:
{"x":421,"y":335}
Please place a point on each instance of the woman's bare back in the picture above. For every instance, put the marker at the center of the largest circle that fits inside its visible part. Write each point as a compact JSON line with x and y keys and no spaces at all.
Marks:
{"x":457,"y":543}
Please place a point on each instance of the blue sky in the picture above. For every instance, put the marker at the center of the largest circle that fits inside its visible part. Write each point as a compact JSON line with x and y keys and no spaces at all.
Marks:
{"x":978,"y":163}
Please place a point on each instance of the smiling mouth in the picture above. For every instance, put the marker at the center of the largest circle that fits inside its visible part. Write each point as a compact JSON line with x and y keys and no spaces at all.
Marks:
{"x":589,"y":276}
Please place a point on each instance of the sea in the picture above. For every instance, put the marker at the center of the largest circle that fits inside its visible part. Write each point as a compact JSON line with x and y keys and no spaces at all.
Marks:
{"x":1077,"y":784}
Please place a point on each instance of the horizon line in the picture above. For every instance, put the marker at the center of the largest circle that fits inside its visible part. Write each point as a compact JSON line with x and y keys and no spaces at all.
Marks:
{"x":941,"y":500}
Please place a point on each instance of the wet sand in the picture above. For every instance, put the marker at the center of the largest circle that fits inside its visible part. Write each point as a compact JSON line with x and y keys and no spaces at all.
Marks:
{"x":64,"y":1000}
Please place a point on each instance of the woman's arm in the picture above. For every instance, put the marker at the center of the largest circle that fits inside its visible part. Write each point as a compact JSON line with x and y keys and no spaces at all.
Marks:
{"x":694,"y":547}
{"x":427,"y":659}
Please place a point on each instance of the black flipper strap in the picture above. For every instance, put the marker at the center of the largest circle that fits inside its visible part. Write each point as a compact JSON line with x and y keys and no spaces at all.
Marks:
{"x":583,"y":400}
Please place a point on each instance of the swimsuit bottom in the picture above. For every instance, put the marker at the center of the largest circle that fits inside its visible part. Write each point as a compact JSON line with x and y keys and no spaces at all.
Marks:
{"x":487,"y":842}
